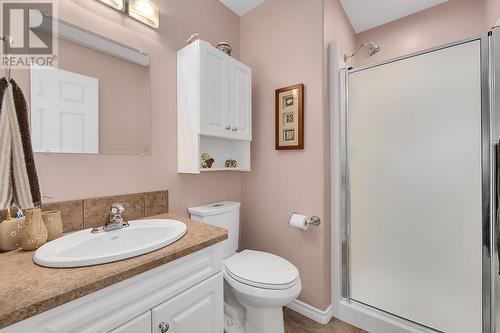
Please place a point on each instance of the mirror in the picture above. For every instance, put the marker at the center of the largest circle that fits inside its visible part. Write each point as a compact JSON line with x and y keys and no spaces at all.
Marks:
{"x":97,"y":100}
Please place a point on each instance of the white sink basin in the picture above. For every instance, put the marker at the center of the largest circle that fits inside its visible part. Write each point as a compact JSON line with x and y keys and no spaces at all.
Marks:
{"x":83,"y":248}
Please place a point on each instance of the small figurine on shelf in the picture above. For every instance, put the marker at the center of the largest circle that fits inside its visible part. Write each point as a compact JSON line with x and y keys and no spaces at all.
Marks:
{"x":231,"y":164}
{"x":207,"y":161}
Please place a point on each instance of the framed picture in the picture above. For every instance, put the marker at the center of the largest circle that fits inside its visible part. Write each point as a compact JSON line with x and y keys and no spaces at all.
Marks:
{"x":290,"y":117}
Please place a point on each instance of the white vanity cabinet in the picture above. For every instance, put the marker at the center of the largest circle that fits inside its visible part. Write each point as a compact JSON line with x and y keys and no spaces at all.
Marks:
{"x":214,"y":108}
{"x":199,"y":309}
{"x":183,"y":296}
{"x":141,"y":324}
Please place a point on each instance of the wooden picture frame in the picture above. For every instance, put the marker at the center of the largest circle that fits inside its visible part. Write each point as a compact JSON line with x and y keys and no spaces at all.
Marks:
{"x":289,"y":121}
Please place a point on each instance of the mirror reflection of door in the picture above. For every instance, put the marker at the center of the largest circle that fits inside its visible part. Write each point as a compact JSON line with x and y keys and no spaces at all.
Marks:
{"x":65,"y":111}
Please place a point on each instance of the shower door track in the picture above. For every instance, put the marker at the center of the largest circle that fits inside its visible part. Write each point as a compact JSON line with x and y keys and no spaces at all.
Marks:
{"x":487,"y":191}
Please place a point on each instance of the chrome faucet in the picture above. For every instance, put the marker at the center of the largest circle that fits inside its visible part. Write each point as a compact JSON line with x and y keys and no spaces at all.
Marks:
{"x":115,"y":220}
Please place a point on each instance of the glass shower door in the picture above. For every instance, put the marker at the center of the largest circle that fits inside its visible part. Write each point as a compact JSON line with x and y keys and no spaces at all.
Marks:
{"x":495,"y":70}
{"x":415,"y":187}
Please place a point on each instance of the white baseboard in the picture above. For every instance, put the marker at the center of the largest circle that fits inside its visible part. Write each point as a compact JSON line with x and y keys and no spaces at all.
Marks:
{"x":320,"y":316}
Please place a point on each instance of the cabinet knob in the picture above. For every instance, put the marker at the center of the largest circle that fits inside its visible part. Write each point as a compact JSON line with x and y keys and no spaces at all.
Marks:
{"x":228,"y":128}
{"x":164,"y":327}
{"x":235,"y":129}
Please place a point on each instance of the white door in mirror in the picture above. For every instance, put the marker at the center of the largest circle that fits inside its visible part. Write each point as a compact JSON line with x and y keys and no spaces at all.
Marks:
{"x":84,"y":248}
{"x":64,"y":111}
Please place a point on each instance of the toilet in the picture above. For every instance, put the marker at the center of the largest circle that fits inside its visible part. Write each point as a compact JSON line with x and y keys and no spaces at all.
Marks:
{"x":256,"y":284}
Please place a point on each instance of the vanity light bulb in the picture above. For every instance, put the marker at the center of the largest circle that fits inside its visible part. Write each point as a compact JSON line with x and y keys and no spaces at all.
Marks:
{"x":145,"y":11}
{"x":118,"y":4}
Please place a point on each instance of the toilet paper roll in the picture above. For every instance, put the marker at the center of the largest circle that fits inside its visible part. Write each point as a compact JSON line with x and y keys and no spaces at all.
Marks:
{"x":299,"y":221}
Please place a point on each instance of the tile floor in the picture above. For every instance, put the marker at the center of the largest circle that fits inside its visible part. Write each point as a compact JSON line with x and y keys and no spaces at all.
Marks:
{"x":296,"y":323}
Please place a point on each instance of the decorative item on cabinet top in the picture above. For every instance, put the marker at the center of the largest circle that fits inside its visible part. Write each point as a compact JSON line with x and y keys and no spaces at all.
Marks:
{"x":192,"y":38}
{"x":214,"y":109}
{"x":225,"y":47}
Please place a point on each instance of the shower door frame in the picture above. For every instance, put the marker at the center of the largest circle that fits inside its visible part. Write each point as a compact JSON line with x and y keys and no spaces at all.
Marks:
{"x":345,"y":308}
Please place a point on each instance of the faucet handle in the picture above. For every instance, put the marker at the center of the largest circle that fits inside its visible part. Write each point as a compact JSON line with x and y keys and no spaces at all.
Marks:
{"x":117,"y":209}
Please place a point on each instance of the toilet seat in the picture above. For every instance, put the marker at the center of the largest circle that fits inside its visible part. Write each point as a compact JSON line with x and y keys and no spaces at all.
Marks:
{"x":262,"y":270}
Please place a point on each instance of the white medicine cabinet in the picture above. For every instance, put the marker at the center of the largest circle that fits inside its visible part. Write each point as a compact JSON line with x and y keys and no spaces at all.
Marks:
{"x":214,"y":109}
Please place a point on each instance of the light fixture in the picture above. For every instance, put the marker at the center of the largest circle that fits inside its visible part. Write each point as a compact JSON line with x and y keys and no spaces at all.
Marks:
{"x":117,"y":4}
{"x":144,"y":11}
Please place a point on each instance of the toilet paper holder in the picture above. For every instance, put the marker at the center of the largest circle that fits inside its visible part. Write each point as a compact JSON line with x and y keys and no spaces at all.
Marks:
{"x":313,"y":220}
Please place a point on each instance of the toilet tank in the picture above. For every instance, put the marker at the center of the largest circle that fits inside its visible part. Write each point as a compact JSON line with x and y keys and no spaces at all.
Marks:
{"x":224,"y":214}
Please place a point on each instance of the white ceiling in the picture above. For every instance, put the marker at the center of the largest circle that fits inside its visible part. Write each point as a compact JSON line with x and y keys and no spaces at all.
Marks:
{"x":241,"y":7}
{"x":367,"y":14}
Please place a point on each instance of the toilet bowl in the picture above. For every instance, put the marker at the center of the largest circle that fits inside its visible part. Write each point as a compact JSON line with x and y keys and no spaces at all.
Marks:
{"x":257,"y":284}
{"x":262,"y":284}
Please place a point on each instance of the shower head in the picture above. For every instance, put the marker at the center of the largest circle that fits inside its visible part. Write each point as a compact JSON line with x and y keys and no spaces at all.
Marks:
{"x":372,"y":49}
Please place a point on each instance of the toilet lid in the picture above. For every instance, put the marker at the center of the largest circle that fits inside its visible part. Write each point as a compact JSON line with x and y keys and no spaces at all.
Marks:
{"x":262,"y":270}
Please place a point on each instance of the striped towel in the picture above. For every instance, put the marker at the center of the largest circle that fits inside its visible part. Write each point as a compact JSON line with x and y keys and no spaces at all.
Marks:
{"x":18,"y":176}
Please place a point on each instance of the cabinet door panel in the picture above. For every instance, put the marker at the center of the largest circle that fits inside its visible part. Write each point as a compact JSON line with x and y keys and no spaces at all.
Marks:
{"x":214,"y":90}
{"x":240,"y":97}
{"x":141,"y":324}
{"x":199,"y":309}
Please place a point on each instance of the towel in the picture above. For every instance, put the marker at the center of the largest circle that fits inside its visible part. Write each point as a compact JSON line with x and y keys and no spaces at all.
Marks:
{"x":18,"y":177}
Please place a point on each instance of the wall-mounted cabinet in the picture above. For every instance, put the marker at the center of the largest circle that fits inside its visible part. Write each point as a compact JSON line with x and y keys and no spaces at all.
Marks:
{"x":214,"y":109}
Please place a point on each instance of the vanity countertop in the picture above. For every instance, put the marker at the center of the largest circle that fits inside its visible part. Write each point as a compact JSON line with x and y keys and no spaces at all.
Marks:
{"x":27,"y":289}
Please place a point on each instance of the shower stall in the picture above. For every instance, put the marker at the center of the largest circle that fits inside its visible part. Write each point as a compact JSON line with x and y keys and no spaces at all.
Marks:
{"x":414,"y":229}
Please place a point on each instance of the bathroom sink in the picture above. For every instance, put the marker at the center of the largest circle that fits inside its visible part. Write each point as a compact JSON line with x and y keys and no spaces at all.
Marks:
{"x":84,"y":248}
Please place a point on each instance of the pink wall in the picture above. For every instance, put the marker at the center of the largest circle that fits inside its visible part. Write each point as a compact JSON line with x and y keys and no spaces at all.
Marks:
{"x":77,"y":176}
{"x":451,"y":21}
{"x":284,"y":50}
{"x":338,"y":27}
{"x":492,"y":13}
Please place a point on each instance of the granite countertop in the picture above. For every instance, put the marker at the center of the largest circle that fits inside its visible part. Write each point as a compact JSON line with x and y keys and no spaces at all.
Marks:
{"x":27,"y":289}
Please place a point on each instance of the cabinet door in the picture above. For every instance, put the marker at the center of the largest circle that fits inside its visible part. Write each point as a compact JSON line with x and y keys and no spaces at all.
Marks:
{"x":214,"y":91}
{"x":199,"y":309}
{"x":240,"y":100}
{"x":141,"y":324}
